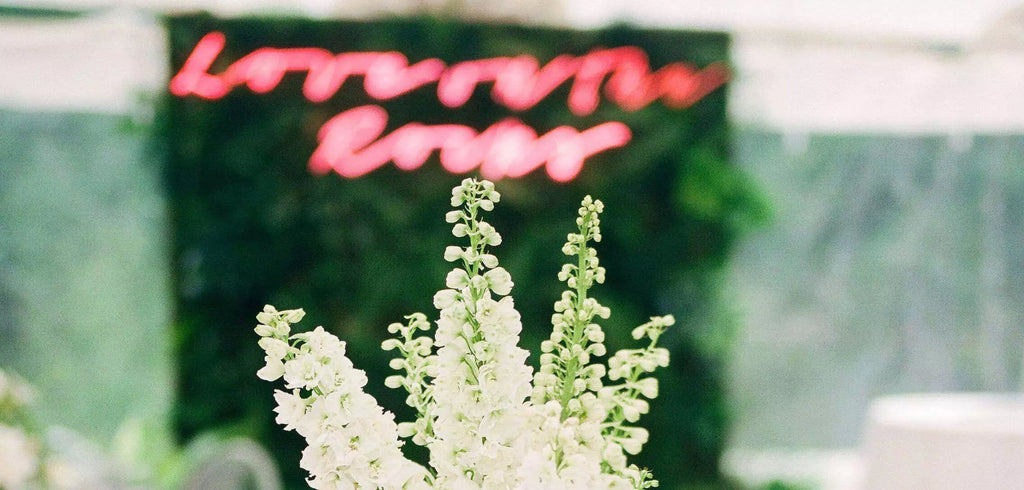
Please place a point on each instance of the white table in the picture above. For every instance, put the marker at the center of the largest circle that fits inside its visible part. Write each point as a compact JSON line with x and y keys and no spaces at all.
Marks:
{"x":949,"y":441}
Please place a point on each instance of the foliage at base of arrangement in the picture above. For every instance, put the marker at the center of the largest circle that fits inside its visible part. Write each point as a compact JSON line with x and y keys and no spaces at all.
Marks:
{"x":252,"y":225}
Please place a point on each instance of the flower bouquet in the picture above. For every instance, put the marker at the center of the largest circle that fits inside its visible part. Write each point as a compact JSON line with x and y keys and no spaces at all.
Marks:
{"x":485,"y":424}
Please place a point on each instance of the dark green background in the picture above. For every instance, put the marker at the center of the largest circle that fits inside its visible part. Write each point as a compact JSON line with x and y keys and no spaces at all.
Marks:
{"x":253,"y":226}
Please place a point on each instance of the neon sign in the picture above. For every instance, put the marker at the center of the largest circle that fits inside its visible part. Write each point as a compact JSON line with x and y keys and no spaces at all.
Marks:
{"x":351,"y":144}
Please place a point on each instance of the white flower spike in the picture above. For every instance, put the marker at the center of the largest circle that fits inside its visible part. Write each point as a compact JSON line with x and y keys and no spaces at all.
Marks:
{"x":486,"y":426}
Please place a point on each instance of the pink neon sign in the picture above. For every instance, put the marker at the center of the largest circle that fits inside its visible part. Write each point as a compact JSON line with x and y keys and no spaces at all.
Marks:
{"x":351,"y":142}
{"x":509,"y":148}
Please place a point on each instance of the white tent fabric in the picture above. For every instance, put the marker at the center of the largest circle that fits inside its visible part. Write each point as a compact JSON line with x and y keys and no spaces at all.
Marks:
{"x":108,"y":63}
{"x":802,"y":66}
{"x":84,"y":281}
{"x":800,"y":83}
{"x":944,"y":21}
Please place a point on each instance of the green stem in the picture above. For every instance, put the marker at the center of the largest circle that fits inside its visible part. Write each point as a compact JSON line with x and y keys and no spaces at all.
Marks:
{"x":473,"y":269}
{"x":579,"y":325}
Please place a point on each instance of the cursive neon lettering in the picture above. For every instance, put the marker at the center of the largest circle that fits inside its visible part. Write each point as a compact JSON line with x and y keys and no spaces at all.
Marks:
{"x":193,"y":77}
{"x":519,"y":82}
{"x":351,"y":145}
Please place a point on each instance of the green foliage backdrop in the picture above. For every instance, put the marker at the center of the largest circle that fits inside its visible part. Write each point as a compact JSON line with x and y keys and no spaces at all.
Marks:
{"x":252,"y":225}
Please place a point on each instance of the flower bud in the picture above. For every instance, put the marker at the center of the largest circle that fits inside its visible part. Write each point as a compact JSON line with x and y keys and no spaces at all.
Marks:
{"x":631,"y":446}
{"x":639,"y":332}
{"x":648,"y":387}
{"x":489,"y":261}
{"x":272,"y":371}
{"x":406,"y":429}
{"x":443,"y":299}
{"x":293,"y":316}
{"x":499,"y":280}
{"x":457,"y":279}
{"x":452,"y":253}
{"x":264,"y":330}
{"x":276,"y":348}
{"x":613,"y":455}
{"x":493,"y":239}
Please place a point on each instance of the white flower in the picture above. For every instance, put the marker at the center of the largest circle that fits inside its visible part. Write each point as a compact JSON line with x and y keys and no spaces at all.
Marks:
{"x":321,"y":343}
{"x":63,"y":474}
{"x":499,"y":280}
{"x":457,"y":279}
{"x":290,"y":408}
{"x":273,"y":370}
{"x":302,"y":371}
{"x":18,"y":458}
{"x":15,"y":390}
{"x":352,"y":442}
{"x":275,"y":348}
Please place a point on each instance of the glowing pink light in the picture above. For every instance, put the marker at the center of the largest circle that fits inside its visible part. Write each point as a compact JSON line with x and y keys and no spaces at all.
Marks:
{"x":351,"y":145}
{"x":519,"y":83}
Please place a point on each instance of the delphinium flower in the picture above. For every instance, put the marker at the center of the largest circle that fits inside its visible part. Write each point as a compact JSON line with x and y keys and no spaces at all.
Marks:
{"x":564,"y":385}
{"x":588,"y":449}
{"x":483,"y":423}
{"x":481,"y":379}
{"x":419,"y":363}
{"x":352,"y":441}
{"x":624,"y":401}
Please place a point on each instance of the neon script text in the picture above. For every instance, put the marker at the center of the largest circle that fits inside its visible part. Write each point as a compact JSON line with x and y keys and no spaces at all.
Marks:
{"x":519,"y":82}
{"x":349,"y":145}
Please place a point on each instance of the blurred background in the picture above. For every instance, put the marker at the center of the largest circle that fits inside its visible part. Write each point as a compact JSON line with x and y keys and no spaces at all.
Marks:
{"x":838,"y":225}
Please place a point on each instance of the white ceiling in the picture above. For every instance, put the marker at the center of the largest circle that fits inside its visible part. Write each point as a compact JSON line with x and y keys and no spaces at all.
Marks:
{"x":931,"y":20}
{"x":928,"y":20}
{"x":823,"y":66}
